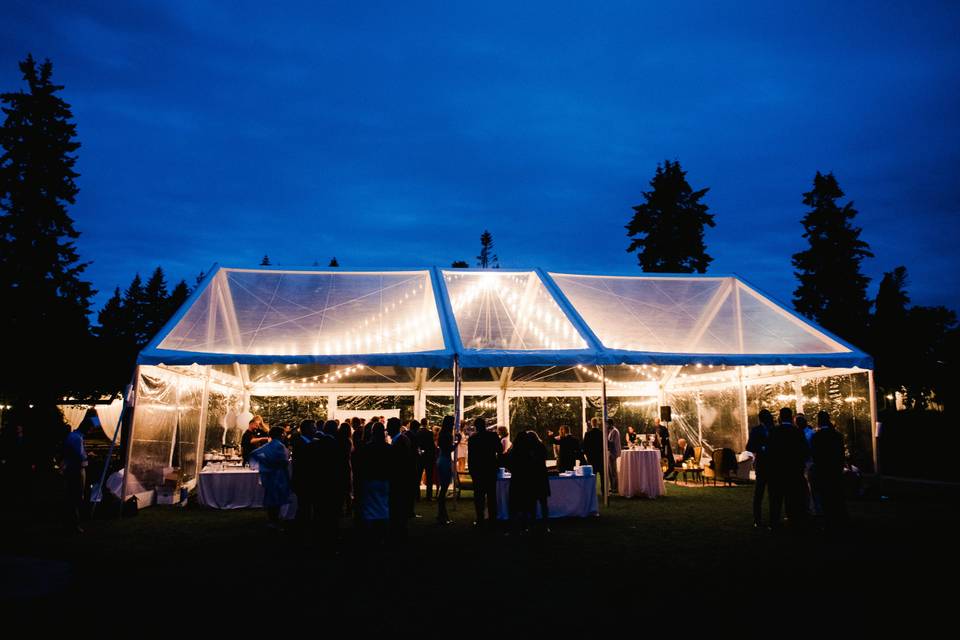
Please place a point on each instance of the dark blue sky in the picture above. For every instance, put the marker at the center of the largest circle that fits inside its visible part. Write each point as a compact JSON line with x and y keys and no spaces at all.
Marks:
{"x":391,"y":134}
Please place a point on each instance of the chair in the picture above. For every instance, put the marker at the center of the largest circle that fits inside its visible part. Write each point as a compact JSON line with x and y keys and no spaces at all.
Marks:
{"x":723,"y":466}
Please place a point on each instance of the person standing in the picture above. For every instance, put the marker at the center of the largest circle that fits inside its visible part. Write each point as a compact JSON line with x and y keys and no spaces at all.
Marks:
{"x":403,"y":471}
{"x":74,"y":477}
{"x":786,"y":456}
{"x":427,"y":452}
{"x":827,"y":472}
{"x":593,"y":449}
{"x":304,"y":481}
{"x":757,"y":445}
{"x":445,"y":449}
{"x":273,"y":460}
{"x":253,"y":437}
{"x":568,"y":449}
{"x":666,"y":450}
{"x":372,"y":462}
{"x":483,"y":450}
{"x":614,"y":448}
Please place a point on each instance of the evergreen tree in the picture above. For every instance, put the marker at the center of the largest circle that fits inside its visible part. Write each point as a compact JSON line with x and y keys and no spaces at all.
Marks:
{"x":832,"y":290}
{"x":198,"y":279}
{"x":45,"y":297}
{"x":667,"y":228}
{"x":176,"y":300}
{"x":460,"y":264}
{"x":134,"y":312}
{"x":156,"y":306}
{"x":487,"y":259}
{"x":266,"y":261}
{"x":116,"y":345}
{"x":930,"y":343}
{"x":888,"y":331}
{"x":333,"y":262}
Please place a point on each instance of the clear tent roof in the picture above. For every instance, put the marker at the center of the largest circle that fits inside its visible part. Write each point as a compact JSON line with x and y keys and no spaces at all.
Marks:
{"x":486,"y":318}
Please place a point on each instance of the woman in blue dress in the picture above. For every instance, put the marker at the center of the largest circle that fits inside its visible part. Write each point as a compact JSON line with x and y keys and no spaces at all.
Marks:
{"x":273,"y":463}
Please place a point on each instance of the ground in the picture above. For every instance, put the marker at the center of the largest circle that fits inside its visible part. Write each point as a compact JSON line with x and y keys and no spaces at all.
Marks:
{"x":680,"y":561}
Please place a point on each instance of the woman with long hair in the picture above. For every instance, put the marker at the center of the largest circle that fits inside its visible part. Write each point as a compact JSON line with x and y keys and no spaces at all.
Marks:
{"x":445,"y":448}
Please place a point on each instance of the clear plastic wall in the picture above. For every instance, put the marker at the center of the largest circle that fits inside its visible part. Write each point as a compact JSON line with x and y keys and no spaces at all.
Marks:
{"x":221,"y":429}
{"x":847,"y":399}
{"x":542,"y":414}
{"x":710,"y":417}
{"x":278,"y":411}
{"x":371,"y":403}
{"x":166,"y":429}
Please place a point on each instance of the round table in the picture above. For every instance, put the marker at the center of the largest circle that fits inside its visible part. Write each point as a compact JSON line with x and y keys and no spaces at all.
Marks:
{"x":639,"y":473}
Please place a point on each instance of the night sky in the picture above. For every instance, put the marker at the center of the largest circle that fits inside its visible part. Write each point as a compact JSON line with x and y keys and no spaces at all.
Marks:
{"x":391,"y":135}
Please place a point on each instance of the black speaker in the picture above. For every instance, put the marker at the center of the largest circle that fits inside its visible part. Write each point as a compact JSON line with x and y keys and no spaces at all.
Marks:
{"x":665,"y":414}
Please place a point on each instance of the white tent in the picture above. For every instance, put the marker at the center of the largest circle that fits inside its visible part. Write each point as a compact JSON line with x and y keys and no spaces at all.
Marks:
{"x":501,"y":343}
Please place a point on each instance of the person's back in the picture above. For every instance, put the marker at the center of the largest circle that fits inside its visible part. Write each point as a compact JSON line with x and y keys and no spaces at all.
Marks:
{"x":593,"y":447}
{"x":827,"y":451}
{"x":482,"y":450}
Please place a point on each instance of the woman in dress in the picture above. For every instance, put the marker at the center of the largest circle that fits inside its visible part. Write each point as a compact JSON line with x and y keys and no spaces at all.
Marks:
{"x":373,"y":462}
{"x":445,"y":448}
{"x":273,"y":462}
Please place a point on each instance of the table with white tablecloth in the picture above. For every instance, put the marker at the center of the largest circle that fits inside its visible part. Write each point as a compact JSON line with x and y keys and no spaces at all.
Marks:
{"x":235,"y":488}
{"x":639,"y":473}
{"x":570,"y":497}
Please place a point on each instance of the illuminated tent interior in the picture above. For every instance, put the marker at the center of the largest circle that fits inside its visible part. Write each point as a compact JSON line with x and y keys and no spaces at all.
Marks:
{"x":527,"y":349}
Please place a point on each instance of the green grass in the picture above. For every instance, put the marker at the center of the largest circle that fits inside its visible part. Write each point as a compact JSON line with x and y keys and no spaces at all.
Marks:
{"x":694,"y":550}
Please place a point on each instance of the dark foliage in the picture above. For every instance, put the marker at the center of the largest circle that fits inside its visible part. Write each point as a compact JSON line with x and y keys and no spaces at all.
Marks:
{"x":667,"y":228}
{"x":832,"y":289}
{"x":460,"y":264}
{"x":45,"y":297}
{"x":487,"y":258}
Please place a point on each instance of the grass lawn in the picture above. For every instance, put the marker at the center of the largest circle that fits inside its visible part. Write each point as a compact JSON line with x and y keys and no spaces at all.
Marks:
{"x":680,"y":560}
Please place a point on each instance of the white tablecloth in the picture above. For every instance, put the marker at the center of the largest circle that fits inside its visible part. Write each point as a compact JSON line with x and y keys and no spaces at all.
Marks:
{"x":235,"y":488}
{"x":570,"y":497}
{"x":639,"y":473}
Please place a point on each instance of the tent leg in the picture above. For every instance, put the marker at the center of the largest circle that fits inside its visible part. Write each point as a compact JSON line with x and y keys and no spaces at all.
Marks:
{"x":873,"y":421}
{"x":456,"y":425}
{"x":606,"y":445}
{"x":130,"y":400}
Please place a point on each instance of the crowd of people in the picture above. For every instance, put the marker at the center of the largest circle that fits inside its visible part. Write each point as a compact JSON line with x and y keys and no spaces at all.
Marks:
{"x":801,"y":469}
{"x":376,"y":470}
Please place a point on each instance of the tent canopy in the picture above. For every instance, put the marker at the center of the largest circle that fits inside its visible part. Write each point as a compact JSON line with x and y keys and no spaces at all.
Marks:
{"x":487,"y":318}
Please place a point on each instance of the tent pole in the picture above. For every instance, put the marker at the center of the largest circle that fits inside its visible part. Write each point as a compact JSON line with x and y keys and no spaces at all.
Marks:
{"x":130,"y":400}
{"x":456,"y":421}
{"x":873,"y":420}
{"x":606,"y":445}
{"x":97,"y":495}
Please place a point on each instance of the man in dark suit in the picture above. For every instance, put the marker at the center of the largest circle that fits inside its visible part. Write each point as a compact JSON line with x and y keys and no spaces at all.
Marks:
{"x":827,"y":472}
{"x":427,"y":456}
{"x":304,"y":478}
{"x":757,"y":445}
{"x":594,"y":450}
{"x":786,"y":461}
{"x":403,"y":469}
{"x":569,"y":451}
{"x":483,"y":449}
{"x":331,"y":476}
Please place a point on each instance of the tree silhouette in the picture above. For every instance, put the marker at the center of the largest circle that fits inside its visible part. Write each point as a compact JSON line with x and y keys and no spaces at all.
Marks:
{"x":460,"y":264}
{"x":45,"y":297}
{"x":889,"y":329}
{"x":667,"y":228}
{"x":266,"y":261}
{"x":832,"y":289}
{"x":156,"y":308}
{"x":487,"y":259}
{"x":333,"y":262}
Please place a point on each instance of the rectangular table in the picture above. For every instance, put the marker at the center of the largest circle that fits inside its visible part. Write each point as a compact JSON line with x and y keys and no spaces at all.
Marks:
{"x":570,"y":497}
{"x":236,"y":488}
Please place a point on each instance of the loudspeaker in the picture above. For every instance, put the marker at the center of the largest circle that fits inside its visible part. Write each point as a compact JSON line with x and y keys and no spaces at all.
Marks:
{"x":665,"y":414}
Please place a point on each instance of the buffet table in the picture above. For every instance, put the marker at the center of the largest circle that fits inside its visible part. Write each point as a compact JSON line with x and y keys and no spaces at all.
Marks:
{"x":570,"y":497}
{"x":639,"y":473}
{"x":235,"y":488}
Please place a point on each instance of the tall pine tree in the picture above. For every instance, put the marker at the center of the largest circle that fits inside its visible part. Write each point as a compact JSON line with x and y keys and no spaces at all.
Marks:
{"x":667,"y":228}
{"x":832,"y":290}
{"x":45,"y":297}
{"x":156,"y":308}
{"x":888,"y":331}
{"x":487,"y":258}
